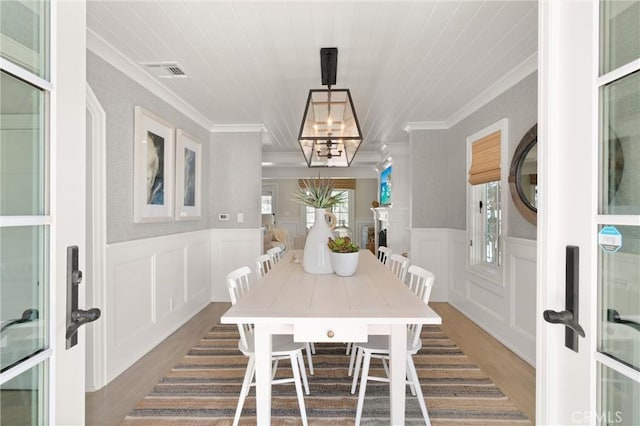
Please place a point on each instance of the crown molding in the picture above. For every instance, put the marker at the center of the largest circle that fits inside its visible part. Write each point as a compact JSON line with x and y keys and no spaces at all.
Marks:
{"x":516,"y":75}
{"x":513,"y":77}
{"x":425,"y":125}
{"x":238,"y":128}
{"x":110,"y":54}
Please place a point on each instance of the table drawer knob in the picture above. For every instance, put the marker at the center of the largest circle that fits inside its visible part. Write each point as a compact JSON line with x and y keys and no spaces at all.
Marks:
{"x":330,"y":334}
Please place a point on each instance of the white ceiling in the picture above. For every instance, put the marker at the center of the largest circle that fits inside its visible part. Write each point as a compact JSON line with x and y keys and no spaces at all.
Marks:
{"x":421,"y":62}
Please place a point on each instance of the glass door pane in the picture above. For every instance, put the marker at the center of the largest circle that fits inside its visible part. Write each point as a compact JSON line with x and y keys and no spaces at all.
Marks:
{"x":22,"y":148}
{"x":24,"y":35}
{"x":619,"y":399}
{"x":619,"y":33}
{"x":23,"y":293}
{"x":619,"y":195}
{"x":23,"y":398}
{"x":619,"y":334}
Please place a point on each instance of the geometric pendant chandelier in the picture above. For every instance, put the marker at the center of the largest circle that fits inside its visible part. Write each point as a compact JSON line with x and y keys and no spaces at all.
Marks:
{"x":330,"y":132}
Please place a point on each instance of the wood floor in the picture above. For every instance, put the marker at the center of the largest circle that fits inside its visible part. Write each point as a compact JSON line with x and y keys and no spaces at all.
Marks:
{"x":109,"y":405}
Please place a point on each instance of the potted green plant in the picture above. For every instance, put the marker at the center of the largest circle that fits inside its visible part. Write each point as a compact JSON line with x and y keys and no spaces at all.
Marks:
{"x":319,"y":194}
{"x":344,"y":256}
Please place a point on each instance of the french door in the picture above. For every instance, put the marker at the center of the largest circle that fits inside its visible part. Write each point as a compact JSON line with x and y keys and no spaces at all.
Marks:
{"x":589,"y":144}
{"x":42,"y":207}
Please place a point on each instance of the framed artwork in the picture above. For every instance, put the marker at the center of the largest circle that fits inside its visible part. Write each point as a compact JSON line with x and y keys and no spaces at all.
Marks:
{"x":188,"y":176}
{"x":153,"y":188}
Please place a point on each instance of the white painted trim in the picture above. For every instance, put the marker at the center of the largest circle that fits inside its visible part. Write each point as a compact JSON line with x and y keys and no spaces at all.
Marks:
{"x":99,"y":235}
{"x":24,"y":366}
{"x":25,"y":75}
{"x":628,"y":220}
{"x":624,"y":70}
{"x":106,"y":51}
{"x":618,"y":367}
{"x":25,"y":220}
{"x":527,"y":67}
{"x":237,"y":128}
{"x":513,"y":77}
{"x":410,"y":126}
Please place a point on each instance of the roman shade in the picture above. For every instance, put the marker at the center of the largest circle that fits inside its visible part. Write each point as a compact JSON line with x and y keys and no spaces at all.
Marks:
{"x":485,"y":159}
{"x":338,"y":183}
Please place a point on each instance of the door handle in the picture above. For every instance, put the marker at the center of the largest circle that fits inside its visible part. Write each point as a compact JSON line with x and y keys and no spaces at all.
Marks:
{"x":75,"y":317}
{"x":28,"y":315}
{"x":614,"y":316}
{"x":569,"y":317}
{"x":79,"y":318}
{"x":564,"y":317}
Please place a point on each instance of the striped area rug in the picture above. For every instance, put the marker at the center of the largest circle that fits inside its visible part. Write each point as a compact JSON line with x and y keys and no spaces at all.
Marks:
{"x":203,"y":389}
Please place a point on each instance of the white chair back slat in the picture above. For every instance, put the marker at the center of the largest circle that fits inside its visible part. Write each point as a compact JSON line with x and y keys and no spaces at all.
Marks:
{"x":398,"y":265}
{"x":264,"y":263}
{"x":383,"y":254}
{"x":420,"y":282}
{"x":238,"y":284}
{"x":275,"y":253}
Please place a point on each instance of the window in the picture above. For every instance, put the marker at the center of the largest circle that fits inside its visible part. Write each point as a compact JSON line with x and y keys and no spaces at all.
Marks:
{"x":487,"y":224}
{"x":485,"y":152}
{"x":266,"y":203}
{"x":342,"y":211}
{"x":269,"y":199}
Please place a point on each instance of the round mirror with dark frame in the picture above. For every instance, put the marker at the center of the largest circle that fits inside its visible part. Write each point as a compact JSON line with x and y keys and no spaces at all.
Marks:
{"x":523,"y":176}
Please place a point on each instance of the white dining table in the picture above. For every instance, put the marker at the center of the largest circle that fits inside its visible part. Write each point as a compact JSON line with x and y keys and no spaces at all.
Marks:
{"x":329,"y":308}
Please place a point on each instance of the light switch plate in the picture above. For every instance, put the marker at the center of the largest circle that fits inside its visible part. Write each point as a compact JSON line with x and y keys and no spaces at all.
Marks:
{"x":240,"y":217}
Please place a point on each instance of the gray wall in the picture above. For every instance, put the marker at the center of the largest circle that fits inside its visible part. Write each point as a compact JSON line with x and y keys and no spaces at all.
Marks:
{"x":429,"y":179}
{"x":236,"y":179}
{"x":118,"y":95}
{"x":439,"y":162}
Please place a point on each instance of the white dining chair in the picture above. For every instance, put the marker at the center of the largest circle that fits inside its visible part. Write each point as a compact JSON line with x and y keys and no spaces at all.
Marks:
{"x":264,"y":263}
{"x":283,"y":347}
{"x":378,"y":347}
{"x":398,"y":265}
{"x":383,"y":254}
{"x":275,"y":253}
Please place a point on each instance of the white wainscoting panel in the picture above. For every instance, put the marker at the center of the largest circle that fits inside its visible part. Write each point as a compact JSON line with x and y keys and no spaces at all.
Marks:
{"x":505,"y":309}
{"x":231,"y":249}
{"x":430,"y":250}
{"x":154,"y":286}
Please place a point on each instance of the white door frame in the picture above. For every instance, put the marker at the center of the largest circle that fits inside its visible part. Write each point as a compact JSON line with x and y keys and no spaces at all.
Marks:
{"x":68,"y":199}
{"x":97,"y":334}
{"x":565,"y":380}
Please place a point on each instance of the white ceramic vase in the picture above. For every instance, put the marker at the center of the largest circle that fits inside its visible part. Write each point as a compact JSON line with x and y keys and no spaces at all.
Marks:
{"x":316,"y":253}
{"x":345,"y":264}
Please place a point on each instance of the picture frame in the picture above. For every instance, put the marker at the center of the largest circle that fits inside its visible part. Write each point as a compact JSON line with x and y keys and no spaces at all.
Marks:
{"x":188,"y":176}
{"x":154,"y":163}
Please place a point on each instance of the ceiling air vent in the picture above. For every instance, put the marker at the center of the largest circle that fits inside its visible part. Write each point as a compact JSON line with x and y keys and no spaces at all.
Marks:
{"x":165,"y":69}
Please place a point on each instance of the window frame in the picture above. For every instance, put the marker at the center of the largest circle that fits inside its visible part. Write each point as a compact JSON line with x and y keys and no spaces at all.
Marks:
{"x":351,"y":212}
{"x":475,"y":223}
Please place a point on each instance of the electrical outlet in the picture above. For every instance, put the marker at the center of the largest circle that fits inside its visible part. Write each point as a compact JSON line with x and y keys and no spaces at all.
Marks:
{"x":240,"y":217}
{"x":224,"y":217}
